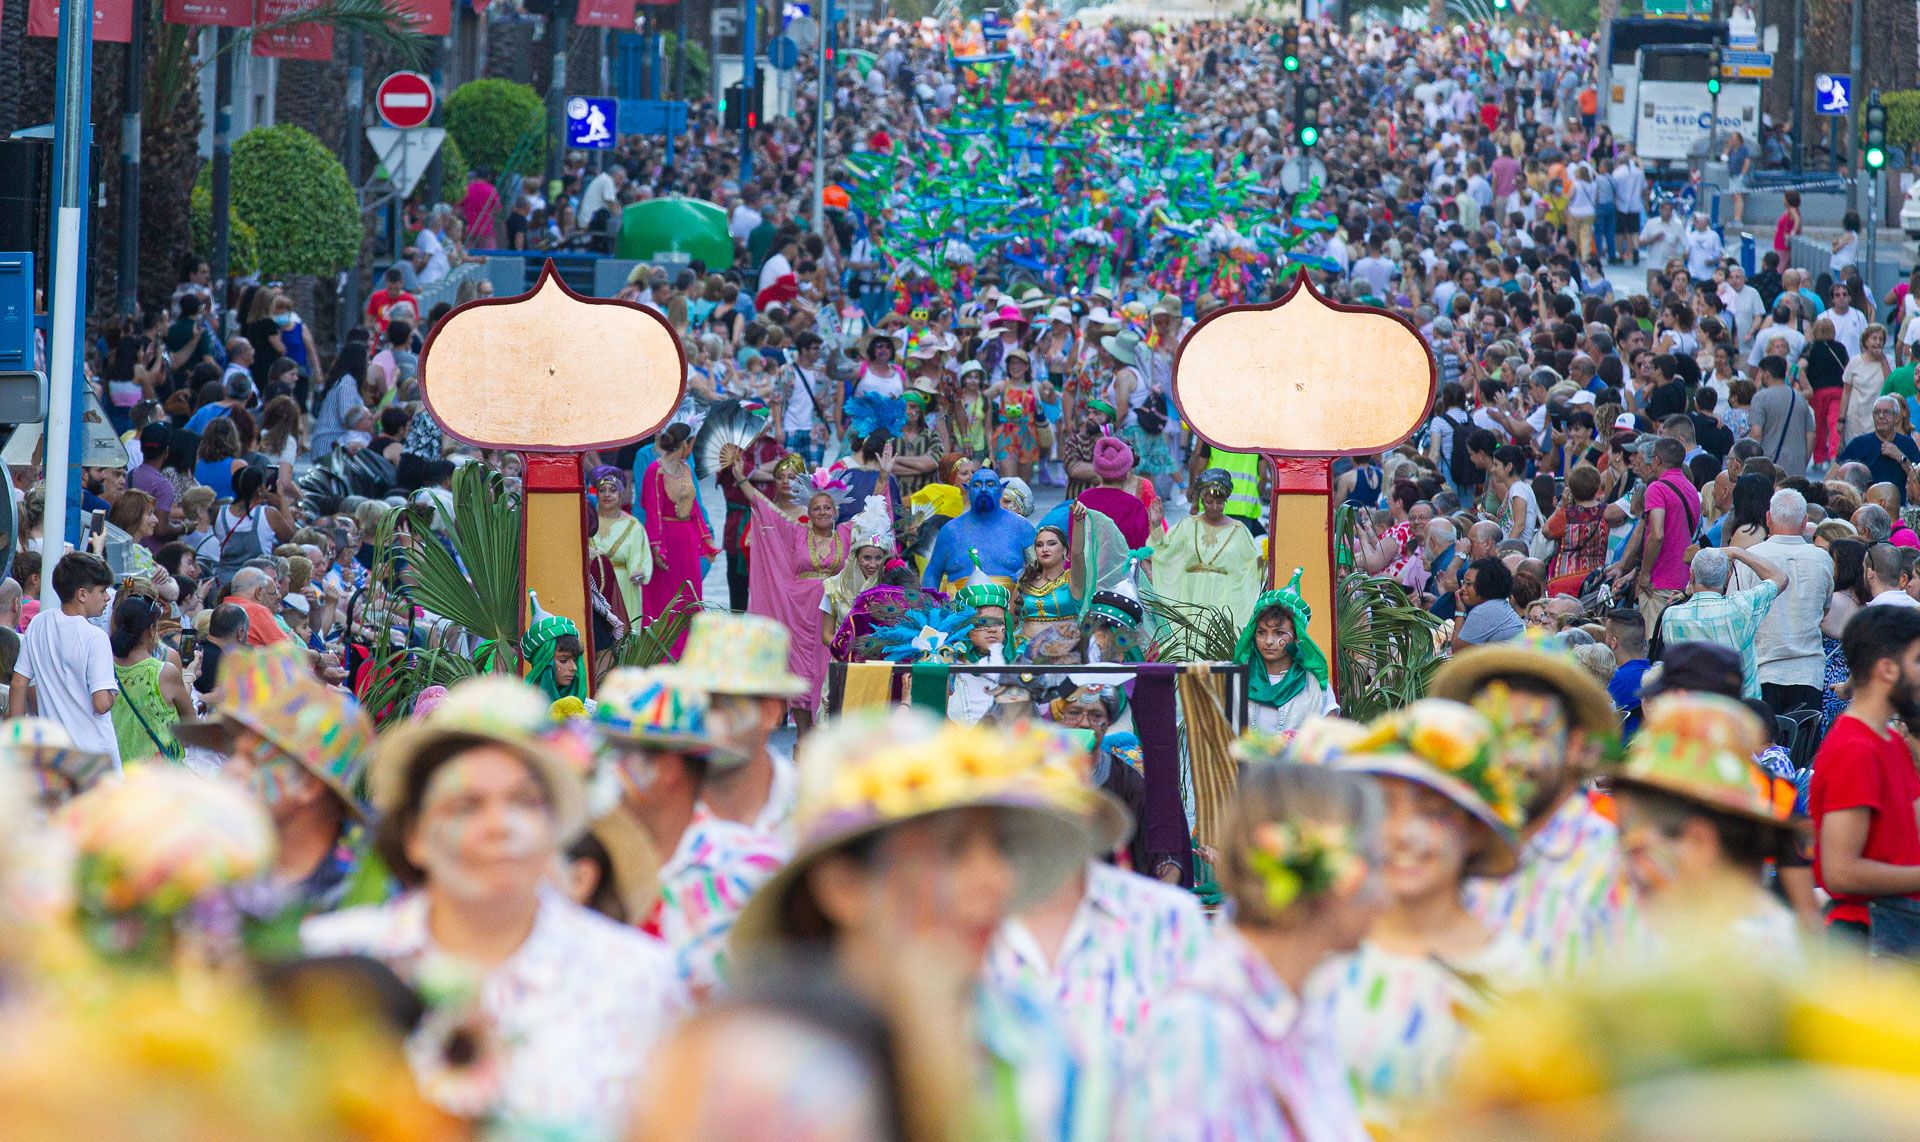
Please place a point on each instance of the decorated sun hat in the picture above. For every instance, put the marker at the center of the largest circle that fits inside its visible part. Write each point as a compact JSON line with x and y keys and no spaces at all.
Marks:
{"x":1008,"y":315}
{"x":1466,"y":673}
{"x":271,"y":691}
{"x":1448,"y":748}
{"x":655,"y":707}
{"x":43,"y":748}
{"x":491,"y":709}
{"x":738,"y":654}
{"x":1700,"y":747}
{"x":1322,"y":739}
{"x":870,"y":772}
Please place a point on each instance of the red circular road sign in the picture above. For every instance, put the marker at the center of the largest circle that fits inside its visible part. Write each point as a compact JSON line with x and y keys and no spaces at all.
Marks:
{"x":404,"y":100}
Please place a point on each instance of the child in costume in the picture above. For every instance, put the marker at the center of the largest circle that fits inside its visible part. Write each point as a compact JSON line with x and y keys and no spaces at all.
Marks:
{"x":1286,"y":672}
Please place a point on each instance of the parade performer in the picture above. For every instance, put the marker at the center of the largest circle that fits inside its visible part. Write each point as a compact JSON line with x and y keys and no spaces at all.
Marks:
{"x":553,"y":652}
{"x":792,"y":562}
{"x":1569,"y":900}
{"x":621,"y":539}
{"x":1113,"y":464}
{"x":1699,"y":820}
{"x":1208,"y":559}
{"x":1000,"y":537}
{"x":872,"y":531}
{"x":1049,"y":591}
{"x":661,"y":748}
{"x":1016,"y":443}
{"x":300,"y":746}
{"x":1287,"y":678}
{"x":476,"y":802}
{"x":916,"y":840}
{"x":1234,"y":1051}
{"x":42,"y":752}
{"x":1107,"y":943}
{"x":741,"y":663}
{"x":676,"y":530}
{"x":1403,"y":1007}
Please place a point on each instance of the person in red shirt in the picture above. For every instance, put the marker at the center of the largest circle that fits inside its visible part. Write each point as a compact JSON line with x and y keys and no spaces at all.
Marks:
{"x":1866,"y":791}
{"x":391,"y":294}
{"x":250,"y":590}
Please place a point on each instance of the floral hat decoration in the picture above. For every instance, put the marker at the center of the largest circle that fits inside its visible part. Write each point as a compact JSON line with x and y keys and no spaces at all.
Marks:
{"x":1295,"y":860}
{"x":873,"y":771}
{"x":1448,"y":748}
{"x":1321,"y":740}
{"x":1700,"y":747}
{"x":43,"y":749}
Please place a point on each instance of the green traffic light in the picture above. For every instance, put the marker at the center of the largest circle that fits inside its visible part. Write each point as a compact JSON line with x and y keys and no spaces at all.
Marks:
{"x":1713,"y":87}
{"x":1309,"y":136}
{"x":1876,"y":158}
{"x":1290,"y":62}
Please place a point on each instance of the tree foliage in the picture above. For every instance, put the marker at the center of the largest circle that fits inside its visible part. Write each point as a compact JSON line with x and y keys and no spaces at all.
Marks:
{"x":488,"y":118}
{"x":295,"y":195}
{"x":243,"y":242}
{"x":1903,"y":118}
{"x":453,"y":170}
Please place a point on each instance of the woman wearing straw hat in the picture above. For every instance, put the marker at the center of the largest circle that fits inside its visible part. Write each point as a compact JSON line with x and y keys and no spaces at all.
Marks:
{"x":1403,"y":1006}
{"x":1234,"y":1052}
{"x":916,"y":840}
{"x":476,"y":803}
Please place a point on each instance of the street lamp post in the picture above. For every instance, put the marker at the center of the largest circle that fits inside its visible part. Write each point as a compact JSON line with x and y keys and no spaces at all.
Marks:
{"x":73,"y":135}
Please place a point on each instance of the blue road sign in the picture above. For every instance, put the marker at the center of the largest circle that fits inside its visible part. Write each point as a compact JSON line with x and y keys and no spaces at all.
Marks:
{"x":1833,"y":94}
{"x":653,"y":117}
{"x":593,"y":123}
{"x":783,"y":54}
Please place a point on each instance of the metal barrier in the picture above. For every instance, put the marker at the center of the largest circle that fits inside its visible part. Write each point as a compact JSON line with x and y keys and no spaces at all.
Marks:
{"x":1234,"y":705}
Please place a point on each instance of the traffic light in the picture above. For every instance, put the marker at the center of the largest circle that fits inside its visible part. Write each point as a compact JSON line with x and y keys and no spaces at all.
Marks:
{"x":1290,"y":47}
{"x":1306,"y":112}
{"x":733,"y":107}
{"x":1499,"y":5}
{"x":1874,"y":134}
{"x":1713,"y":71}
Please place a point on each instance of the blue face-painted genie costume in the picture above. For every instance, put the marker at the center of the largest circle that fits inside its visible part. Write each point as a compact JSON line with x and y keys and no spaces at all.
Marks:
{"x":999,"y":536}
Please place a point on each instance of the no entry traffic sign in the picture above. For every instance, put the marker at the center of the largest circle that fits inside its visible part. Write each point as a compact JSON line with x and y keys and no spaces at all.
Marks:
{"x":404,"y":100}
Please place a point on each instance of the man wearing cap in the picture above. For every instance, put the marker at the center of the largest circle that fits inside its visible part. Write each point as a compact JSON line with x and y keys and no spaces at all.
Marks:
{"x":301,"y":747}
{"x":661,"y":750}
{"x":1107,"y":943}
{"x":741,"y":663}
{"x":1569,"y":901}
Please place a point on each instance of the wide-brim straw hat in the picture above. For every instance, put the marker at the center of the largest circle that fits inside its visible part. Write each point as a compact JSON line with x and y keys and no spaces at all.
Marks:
{"x":1448,"y":747}
{"x":873,"y":772}
{"x":657,"y":708}
{"x":1467,"y":672}
{"x":272,"y":691}
{"x":739,"y":654}
{"x":44,"y":747}
{"x":1700,"y":747}
{"x":492,"y":709}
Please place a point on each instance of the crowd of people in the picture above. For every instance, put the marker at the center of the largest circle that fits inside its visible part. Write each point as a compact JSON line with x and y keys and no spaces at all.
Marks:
{"x":1028,"y":870}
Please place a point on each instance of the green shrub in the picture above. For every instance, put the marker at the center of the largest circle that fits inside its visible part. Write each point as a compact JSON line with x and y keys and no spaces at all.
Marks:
{"x":489,"y":117}
{"x":1903,"y":118}
{"x":295,"y":195}
{"x":453,"y":170}
{"x":699,"y":67}
{"x":243,"y":243}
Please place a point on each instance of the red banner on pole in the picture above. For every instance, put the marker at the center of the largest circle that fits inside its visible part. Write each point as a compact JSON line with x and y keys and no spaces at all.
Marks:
{"x":616,"y":14}
{"x":210,"y":13}
{"x":297,"y":41}
{"x":428,"y":17}
{"x":112,"y":20}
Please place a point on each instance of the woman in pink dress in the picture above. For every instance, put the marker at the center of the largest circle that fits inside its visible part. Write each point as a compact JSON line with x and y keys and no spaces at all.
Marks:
{"x":676,"y":530}
{"x":786,"y":579}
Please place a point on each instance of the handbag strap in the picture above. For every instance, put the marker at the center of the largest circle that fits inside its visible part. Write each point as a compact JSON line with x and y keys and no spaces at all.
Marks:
{"x":171,"y":754}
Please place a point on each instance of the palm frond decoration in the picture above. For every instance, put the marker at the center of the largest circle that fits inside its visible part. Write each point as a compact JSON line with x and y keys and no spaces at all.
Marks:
{"x":400,"y":675}
{"x":1384,"y":645}
{"x":653,"y":643}
{"x":477,"y":584}
{"x":1189,"y":632}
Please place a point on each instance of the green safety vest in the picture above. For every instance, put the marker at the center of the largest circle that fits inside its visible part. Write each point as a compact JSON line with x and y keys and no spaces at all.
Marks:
{"x":1244,"y":501}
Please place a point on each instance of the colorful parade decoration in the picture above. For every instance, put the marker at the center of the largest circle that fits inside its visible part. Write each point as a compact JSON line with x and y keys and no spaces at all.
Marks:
{"x":510,"y":373}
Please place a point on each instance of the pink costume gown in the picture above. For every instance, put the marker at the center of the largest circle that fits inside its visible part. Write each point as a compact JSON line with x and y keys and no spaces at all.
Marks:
{"x":678,"y":545}
{"x":785,"y":583}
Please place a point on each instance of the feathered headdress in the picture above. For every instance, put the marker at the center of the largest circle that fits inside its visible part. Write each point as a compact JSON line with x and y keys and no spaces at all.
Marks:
{"x":734,"y":422}
{"x":869,"y":412}
{"x":923,"y":634}
{"x":822,"y":482}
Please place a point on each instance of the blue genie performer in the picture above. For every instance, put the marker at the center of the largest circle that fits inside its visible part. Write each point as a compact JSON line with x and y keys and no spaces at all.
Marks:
{"x":998,"y":536}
